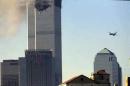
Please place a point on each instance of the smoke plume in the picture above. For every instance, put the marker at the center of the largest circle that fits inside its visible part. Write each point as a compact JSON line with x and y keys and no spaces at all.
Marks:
{"x":12,"y":13}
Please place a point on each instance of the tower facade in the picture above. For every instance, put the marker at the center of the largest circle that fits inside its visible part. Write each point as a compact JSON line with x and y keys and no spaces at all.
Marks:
{"x":39,"y":67}
{"x":44,"y":30}
{"x":106,"y":60}
{"x":9,"y":73}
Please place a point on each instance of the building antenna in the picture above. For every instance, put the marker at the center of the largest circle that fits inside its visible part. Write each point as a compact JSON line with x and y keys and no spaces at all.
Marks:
{"x":27,"y":19}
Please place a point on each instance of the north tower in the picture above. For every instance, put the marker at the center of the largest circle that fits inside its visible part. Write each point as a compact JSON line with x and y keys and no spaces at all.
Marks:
{"x":44,"y":30}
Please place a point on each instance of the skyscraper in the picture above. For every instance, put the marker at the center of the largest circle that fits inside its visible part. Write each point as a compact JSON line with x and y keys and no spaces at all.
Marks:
{"x":106,"y":60}
{"x":44,"y":30}
{"x":39,"y":68}
{"x":23,"y":72}
{"x":9,"y":73}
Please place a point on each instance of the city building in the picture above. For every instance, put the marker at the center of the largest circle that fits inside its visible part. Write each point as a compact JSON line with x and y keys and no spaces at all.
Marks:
{"x":106,"y":60}
{"x":23,"y":72}
{"x":44,"y":30}
{"x":9,"y":73}
{"x":128,"y":81}
{"x":101,"y":78}
{"x":39,"y":68}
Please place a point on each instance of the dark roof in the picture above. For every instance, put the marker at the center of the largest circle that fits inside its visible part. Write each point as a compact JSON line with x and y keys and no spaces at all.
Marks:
{"x":79,"y":79}
{"x":10,"y":60}
{"x":101,"y":72}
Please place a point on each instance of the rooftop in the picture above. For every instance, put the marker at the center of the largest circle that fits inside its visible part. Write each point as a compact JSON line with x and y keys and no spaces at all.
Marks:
{"x":102,"y":72}
{"x":79,"y":79}
{"x":105,"y":51}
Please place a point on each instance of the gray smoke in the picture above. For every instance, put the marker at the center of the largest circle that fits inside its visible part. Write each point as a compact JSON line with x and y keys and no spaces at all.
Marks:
{"x":12,"y":13}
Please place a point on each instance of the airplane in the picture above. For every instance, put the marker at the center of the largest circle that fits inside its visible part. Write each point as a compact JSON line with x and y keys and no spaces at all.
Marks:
{"x":113,"y":34}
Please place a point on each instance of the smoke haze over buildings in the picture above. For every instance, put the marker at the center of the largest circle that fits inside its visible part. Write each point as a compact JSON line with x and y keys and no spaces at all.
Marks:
{"x":12,"y":13}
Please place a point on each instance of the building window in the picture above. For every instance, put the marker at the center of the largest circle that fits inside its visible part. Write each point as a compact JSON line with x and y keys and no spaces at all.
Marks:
{"x":82,"y":79}
{"x":110,"y":59}
{"x":101,"y":77}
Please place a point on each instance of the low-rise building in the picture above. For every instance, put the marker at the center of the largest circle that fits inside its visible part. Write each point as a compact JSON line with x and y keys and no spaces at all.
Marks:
{"x":101,"y":78}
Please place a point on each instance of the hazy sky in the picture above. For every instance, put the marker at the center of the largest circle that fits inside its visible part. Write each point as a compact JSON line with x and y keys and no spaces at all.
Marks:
{"x":85,"y":31}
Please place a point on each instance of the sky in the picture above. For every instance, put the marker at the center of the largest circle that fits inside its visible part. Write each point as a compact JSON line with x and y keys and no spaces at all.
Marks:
{"x":85,"y":31}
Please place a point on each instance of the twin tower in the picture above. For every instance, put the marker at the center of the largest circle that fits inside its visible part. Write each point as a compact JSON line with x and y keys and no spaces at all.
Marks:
{"x":44,"y":30}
